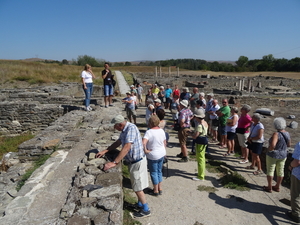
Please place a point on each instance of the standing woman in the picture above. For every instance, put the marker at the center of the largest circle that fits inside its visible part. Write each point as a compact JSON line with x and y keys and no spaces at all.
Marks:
{"x":231,"y":126}
{"x":200,"y":130}
{"x":87,"y":85}
{"x":256,"y":140}
{"x":242,"y":131}
{"x":154,"y":143}
{"x":277,"y":153}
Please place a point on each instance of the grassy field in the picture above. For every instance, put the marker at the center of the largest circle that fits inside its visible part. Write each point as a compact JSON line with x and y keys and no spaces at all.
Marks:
{"x":18,"y":73}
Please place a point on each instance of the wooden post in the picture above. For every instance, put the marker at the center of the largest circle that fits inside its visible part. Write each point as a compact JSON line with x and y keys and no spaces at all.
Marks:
{"x":178,"y":71}
{"x":156,"y":71}
{"x":169,"y":71}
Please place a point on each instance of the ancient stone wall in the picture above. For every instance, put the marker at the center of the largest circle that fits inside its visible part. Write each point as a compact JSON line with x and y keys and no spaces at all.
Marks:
{"x":20,"y":117}
{"x":33,"y":109}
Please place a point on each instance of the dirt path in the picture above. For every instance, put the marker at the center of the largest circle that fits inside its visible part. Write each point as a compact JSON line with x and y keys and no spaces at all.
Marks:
{"x":181,"y":202}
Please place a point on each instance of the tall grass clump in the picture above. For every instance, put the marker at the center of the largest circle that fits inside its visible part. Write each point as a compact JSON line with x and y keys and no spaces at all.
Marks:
{"x":10,"y":144}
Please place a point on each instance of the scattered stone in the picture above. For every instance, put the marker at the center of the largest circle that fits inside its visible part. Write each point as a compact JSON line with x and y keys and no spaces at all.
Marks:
{"x":293,"y":125}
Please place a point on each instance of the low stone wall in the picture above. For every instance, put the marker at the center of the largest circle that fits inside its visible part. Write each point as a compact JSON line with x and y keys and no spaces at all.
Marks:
{"x":21,"y":117}
{"x":33,"y":109}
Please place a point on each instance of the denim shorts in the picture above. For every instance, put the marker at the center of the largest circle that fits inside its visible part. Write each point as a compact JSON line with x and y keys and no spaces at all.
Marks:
{"x":222,"y":130}
{"x":108,"y":90}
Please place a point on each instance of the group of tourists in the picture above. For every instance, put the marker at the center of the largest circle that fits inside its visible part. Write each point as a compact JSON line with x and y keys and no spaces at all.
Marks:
{"x":199,"y":117}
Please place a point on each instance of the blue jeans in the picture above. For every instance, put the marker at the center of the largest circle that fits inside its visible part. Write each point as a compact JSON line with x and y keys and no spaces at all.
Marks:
{"x":155,"y":168}
{"x":88,"y":93}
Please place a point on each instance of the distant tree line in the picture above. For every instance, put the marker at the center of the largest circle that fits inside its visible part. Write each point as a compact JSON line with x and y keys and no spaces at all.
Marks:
{"x":243,"y":64}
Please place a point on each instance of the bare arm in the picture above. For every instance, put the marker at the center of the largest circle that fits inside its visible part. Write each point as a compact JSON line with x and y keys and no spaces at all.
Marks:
{"x":126,"y":148}
{"x":274,"y":139}
{"x":145,"y":141}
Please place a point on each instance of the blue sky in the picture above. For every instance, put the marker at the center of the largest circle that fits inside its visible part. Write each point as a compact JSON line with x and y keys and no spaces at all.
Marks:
{"x":120,"y":30}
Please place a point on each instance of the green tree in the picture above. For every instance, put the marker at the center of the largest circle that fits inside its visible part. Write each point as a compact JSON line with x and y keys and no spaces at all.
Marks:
{"x":85,"y":59}
{"x":127,"y":63}
{"x":65,"y":62}
{"x":242,"y":61}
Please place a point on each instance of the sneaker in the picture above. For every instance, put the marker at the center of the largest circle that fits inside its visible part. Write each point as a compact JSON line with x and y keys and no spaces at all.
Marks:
{"x":141,"y":214}
{"x":180,"y":155}
{"x":106,"y":106}
{"x":196,"y":179}
{"x":87,"y":109}
{"x":183,"y":159}
{"x":244,"y":161}
{"x":90,"y":108}
{"x":136,"y":206}
{"x":111,"y":105}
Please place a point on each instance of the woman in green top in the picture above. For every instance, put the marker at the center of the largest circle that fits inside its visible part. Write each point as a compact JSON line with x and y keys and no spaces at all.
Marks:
{"x":200,"y":130}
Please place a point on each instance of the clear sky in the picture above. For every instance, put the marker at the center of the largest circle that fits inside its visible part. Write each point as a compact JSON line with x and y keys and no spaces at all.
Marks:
{"x":130,"y":30}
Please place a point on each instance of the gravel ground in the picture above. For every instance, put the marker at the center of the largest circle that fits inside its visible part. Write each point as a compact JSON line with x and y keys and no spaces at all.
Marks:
{"x":181,"y":202}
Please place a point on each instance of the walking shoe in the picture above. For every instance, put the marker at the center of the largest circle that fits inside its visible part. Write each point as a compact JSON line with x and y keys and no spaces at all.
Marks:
{"x":180,"y":155}
{"x":111,"y":105}
{"x":136,"y":206}
{"x":90,"y":108}
{"x":141,"y":214}
{"x":106,"y":106}
{"x":183,"y":159}
{"x":153,"y":193}
{"x":196,"y":179}
{"x":244,"y":161}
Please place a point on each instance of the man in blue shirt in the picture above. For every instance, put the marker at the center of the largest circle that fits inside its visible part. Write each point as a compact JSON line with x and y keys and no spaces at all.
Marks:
{"x":133,"y":152}
{"x":168,"y":93}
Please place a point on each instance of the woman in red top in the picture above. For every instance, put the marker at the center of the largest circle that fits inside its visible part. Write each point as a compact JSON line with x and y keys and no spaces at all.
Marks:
{"x":176,"y":91}
{"x":242,"y":131}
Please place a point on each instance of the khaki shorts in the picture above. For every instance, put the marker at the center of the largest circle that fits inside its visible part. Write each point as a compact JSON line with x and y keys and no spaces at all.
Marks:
{"x":242,"y":139}
{"x":139,"y":175}
{"x":183,"y":135}
{"x":213,"y":127}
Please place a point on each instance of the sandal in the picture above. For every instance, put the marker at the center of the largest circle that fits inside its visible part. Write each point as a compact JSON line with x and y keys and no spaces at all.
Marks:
{"x":227,"y":154}
{"x":266,"y":189}
{"x":257,"y":172}
{"x":250,"y":168}
{"x":275,"y":189}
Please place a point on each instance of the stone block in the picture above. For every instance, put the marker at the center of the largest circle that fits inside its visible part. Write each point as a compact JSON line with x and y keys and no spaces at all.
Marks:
{"x":108,"y":179}
{"x":92,"y":155}
{"x":79,"y":220}
{"x":114,"y":190}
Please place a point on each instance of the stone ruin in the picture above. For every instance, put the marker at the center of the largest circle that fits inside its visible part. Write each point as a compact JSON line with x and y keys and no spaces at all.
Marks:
{"x":56,"y":115}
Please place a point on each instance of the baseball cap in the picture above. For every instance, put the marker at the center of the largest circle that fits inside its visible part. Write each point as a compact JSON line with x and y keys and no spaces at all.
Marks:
{"x":118,"y":119}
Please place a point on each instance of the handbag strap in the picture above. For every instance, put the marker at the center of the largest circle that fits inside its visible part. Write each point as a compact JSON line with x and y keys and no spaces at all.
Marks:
{"x":286,"y":141}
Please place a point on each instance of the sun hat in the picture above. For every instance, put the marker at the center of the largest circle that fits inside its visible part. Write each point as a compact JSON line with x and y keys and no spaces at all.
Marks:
{"x":118,"y":119}
{"x":185,"y":103}
{"x":201,"y":94}
{"x":157,"y":100}
{"x":132,"y":86}
{"x":199,"y":114}
{"x":210,"y":94}
{"x":128,"y":93}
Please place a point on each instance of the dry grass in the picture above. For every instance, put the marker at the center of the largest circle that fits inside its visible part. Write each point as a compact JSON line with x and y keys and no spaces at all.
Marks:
{"x":15,"y":72}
